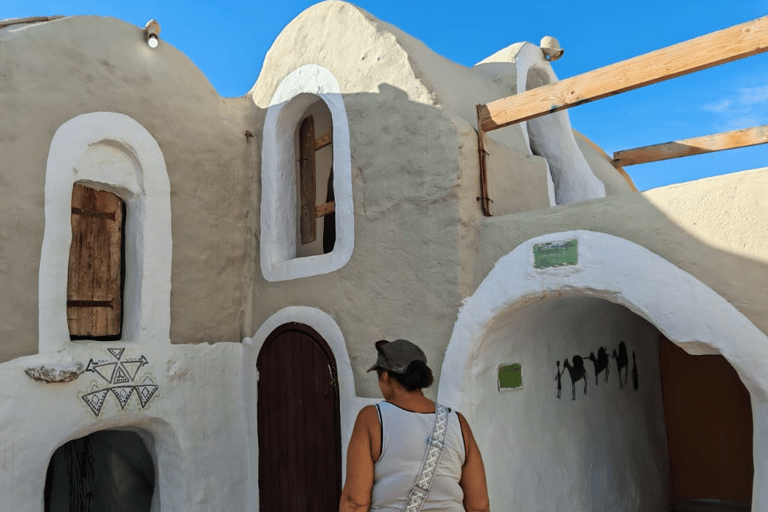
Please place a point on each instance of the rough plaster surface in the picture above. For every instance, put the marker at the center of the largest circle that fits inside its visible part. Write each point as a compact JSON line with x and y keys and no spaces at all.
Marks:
{"x":295,"y":94}
{"x":110,"y":151}
{"x":683,"y":308}
{"x":193,"y":473}
{"x":603,"y":451}
{"x":77,"y":65}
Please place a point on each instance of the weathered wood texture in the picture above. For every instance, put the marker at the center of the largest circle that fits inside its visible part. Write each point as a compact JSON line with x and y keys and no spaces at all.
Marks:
{"x":307,"y":188}
{"x":94,"y":285}
{"x":299,"y":432}
{"x":325,"y":209}
{"x":695,"y":146}
{"x":710,"y":50}
{"x":323,"y":141}
{"x":485,"y":200}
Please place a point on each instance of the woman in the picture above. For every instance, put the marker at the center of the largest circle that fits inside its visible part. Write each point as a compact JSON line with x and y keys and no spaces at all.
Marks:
{"x":389,"y":442}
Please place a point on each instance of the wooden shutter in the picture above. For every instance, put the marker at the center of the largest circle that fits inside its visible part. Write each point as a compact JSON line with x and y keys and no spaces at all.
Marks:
{"x":94,"y":286}
{"x":307,"y":169}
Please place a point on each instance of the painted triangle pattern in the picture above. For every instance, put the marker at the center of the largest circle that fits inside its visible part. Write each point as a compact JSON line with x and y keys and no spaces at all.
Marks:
{"x":120,"y":377}
{"x":123,"y":394}
{"x":146,"y":391}
{"x":132,"y":368}
{"x":106,"y":371}
{"x":95,"y":400}
{"x":117,"y":352}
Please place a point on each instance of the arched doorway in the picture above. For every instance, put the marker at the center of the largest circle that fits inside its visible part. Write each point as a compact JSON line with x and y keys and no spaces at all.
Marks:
{"x":674,"y":302}
{"x":298,"y":422}
{"x":709,"y":431}
{"x":107,"y":470}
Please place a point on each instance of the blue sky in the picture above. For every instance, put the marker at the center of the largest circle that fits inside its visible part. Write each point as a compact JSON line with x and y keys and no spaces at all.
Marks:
{"x":228,"y":39}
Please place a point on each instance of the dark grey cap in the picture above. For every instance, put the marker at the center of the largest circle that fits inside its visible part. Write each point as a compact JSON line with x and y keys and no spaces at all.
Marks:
{"x":395,"y":356}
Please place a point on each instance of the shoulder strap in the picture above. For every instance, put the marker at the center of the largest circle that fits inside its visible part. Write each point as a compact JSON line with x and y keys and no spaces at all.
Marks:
{"x":423,"y":483}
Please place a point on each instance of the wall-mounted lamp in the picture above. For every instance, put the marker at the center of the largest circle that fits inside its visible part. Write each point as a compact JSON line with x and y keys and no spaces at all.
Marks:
{"x":551,"y":48}
{"x":151,"y":33}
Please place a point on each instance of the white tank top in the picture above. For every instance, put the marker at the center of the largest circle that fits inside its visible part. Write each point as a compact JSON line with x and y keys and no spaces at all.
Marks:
{"x":403,"y":445}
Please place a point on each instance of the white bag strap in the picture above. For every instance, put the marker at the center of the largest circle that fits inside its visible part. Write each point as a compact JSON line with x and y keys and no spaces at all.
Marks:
{"x":423,"y":483}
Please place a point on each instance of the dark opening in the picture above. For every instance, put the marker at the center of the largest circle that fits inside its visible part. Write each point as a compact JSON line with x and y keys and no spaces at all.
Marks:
{"x":110,"y":470}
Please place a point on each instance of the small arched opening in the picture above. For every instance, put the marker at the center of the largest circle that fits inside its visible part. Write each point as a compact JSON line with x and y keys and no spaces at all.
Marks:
{"x":314,"y":167}
{"x":106,"y":470}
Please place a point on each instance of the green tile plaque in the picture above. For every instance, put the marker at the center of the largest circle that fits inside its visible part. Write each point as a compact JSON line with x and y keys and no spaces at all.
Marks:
{"x":555,"y":254}
{"x":510,"y":377}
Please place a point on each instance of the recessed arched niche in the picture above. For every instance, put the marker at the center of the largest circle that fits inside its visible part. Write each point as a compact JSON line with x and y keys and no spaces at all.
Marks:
{"x":106,"y":470}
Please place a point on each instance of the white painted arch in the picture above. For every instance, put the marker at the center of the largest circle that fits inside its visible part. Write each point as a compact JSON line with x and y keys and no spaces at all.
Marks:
{"x":109,"y":151}
{"x":685,"y":310}
{"x":349,"y":403}
{"x":296,"y":92}
{"x":552,"y":136}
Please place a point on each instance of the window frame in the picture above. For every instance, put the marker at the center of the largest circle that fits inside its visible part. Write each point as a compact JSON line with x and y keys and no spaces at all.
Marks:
{"x":297,"y":91}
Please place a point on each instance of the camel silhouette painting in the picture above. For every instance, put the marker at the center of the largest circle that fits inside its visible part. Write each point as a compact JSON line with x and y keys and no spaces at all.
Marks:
{"x":635,"y":381}
{"x":622,"y":362}
{"x":577,"y":372}
{"x":601,"y":363}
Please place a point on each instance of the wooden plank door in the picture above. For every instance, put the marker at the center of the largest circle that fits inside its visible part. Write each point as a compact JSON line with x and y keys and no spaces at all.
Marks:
{"x":298,"y":423}
{"x":709,"y":427}
{"x":94,"y":284}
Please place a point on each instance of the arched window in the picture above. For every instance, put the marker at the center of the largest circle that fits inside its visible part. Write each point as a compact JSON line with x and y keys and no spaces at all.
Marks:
{"x":317,"y":216}
{"x":308,"y":106}
{"x":106,"y":159}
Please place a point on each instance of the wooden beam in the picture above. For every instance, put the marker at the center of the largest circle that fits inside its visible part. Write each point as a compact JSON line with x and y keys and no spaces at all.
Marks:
{"x":323,"y":141}
{"x":324,"y":209}
{"x":703,"y":52}
{"x":485,"y":200}
{"x":695,"y":146}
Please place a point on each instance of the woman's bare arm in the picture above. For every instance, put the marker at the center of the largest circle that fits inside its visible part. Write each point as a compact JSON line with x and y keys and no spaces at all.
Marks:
{"x":356,"y":496}
{"x":472,"y":480}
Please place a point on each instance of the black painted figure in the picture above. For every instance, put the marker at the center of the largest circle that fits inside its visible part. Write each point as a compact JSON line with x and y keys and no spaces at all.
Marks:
{"x":559,"y":379}
{"x":622,"y":362}
{"x":577,"y":372}
{"x":600,"y":362}
{"x":635,"y":382}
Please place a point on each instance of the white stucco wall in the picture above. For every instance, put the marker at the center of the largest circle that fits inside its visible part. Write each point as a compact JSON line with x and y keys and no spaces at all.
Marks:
{"x":684,"y":309}
{"x":194,"y":421}
{"x":109,"y":151}
{"x":605,"y":450}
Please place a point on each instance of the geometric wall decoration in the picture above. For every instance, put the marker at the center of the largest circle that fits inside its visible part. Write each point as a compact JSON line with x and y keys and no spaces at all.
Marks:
{"x":119,"y":376}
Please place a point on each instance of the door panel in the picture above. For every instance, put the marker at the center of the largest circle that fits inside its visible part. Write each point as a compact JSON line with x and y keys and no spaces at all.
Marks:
{"x":298,"y":423}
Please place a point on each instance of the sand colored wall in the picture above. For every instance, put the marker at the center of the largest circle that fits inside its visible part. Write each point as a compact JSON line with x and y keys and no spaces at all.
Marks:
{"x":710,"y":228}
{"x":603,"y":450}
{"x":77,"y":65}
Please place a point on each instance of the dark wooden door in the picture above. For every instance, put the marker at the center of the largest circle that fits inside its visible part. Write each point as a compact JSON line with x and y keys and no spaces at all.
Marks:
{"x":298,"y":423}
{"x":709,"y":426}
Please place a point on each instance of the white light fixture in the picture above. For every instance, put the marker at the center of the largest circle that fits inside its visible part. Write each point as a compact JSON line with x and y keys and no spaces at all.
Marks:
{"x":551,"y":48}
{"x":151,"y":33}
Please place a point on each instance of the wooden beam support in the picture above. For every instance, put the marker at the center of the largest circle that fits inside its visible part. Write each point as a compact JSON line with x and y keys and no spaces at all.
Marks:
{"x":324,"y":209}
{"x":323,"y":141}
{"x":703,"y":52}
{"x":485,"y":200}
{"x":695,"y":146}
